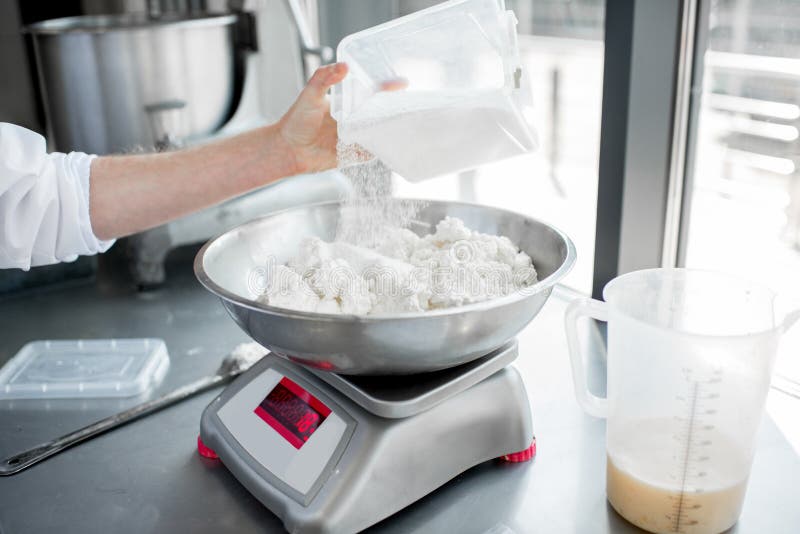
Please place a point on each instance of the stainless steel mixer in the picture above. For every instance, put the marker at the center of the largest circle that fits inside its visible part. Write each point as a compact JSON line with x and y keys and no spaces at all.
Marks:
{"x":115,"y":83}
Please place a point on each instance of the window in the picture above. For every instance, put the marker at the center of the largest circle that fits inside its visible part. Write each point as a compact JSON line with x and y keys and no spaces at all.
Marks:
{"x":742,"y":202}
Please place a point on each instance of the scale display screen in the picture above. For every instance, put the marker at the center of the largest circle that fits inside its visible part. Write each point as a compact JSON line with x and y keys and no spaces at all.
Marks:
{"x":292,"y":412}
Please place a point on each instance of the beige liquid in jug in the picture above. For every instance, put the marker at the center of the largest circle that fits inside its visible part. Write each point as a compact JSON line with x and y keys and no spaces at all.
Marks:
{"x":694,"y":489}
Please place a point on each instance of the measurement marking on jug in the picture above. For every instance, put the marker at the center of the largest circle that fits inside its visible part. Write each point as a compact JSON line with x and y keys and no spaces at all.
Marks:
{"x":696,"y":438}
{"x":693,"y":396}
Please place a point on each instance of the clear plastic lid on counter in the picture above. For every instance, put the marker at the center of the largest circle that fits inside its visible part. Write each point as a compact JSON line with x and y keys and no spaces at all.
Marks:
{"x":84,"y":368}
{"x":462,"y":101}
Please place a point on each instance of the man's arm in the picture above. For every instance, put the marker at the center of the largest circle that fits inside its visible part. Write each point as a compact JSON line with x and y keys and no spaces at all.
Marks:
{"x":129,"y":194}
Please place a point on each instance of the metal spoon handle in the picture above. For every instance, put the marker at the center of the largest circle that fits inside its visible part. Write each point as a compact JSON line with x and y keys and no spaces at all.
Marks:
{"x":18,"y":462}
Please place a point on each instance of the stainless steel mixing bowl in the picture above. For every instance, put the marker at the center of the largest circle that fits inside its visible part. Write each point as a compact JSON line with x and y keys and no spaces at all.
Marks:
{"x":386,"y":344}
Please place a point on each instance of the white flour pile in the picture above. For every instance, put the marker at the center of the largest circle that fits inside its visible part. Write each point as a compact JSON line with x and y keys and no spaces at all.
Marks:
{"x":404,"y":273}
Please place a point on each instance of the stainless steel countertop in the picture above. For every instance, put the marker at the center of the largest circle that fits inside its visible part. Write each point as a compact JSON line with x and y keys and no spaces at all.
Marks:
{"x":147,"y":476}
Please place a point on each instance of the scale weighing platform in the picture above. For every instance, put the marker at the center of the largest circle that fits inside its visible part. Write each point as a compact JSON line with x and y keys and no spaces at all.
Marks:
{"x":329,"y":453}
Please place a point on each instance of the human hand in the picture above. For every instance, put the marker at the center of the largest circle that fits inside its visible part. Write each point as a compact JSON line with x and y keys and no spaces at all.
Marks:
{"x":308,"y":128}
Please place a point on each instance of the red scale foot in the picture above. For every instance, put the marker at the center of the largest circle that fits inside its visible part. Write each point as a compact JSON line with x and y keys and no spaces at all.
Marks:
{"x":521,"y":456}
{"x":204,"y":451}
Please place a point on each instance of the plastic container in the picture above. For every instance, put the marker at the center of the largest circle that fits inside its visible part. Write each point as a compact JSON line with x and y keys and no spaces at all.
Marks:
{"x":84,"y":368}
{"x":465,"y":101}
{"x":690,"y":354}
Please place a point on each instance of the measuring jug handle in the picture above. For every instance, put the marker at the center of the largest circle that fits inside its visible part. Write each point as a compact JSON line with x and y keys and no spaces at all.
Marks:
{"x":592,"y":404}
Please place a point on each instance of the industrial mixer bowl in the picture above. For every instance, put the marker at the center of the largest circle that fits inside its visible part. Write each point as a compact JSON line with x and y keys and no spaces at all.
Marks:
{"x":116,"y":83}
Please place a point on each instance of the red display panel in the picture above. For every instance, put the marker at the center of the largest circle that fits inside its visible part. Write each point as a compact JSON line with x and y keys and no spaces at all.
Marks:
{"x":292,"y":411}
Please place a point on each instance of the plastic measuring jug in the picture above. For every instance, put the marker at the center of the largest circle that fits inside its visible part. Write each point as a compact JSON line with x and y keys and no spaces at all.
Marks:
{"x":464,"y":100}
{"x":690,"y":356}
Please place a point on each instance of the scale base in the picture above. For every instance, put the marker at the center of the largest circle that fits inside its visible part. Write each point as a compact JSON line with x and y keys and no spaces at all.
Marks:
{"x":383,"y":464}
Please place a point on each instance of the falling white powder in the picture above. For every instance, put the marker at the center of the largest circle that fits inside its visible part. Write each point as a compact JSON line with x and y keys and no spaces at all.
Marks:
{"x":404,"y":273}
{"x":370,"y":211}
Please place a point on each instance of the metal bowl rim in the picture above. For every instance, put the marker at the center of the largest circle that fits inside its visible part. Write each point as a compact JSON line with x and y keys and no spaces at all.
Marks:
{"x":516,"y":296}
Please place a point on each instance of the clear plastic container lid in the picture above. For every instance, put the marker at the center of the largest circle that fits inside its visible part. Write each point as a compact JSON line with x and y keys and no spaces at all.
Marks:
{"x":464,"y":100}
{"x":84,"y":368}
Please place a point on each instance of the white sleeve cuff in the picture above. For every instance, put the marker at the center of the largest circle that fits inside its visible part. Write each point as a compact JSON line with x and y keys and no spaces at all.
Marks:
{"x":81,"y":165}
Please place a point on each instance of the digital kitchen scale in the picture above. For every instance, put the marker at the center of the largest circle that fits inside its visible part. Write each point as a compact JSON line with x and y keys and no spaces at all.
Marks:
{"x":329,"y":453}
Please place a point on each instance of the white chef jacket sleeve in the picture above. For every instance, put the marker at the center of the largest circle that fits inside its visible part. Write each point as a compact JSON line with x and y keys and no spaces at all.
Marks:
{"x":44,"y":202}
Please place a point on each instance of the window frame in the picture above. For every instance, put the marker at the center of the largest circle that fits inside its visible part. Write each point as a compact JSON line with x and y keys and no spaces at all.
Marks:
{"x":651,"y":96}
